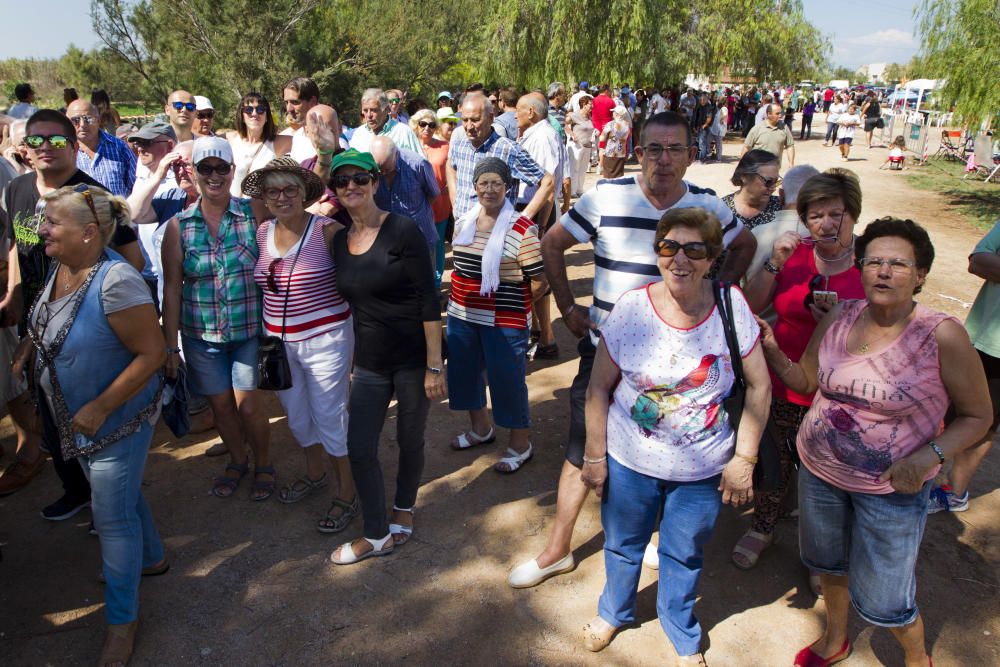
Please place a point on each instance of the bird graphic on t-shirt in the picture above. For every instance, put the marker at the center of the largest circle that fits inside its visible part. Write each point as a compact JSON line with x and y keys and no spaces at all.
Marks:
{"x":681,"y":398}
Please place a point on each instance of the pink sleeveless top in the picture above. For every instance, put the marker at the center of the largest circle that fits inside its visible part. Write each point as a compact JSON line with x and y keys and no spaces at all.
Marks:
{"x":873,"y":409}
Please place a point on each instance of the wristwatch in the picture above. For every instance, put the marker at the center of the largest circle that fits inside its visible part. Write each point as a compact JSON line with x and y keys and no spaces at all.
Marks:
{"x":770,"y":267}
{"x":433,"y":371}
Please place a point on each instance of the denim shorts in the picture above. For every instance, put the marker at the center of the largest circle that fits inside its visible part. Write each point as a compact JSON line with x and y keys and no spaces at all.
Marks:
{"x":215,"y":368}
{"x":872,"y":538}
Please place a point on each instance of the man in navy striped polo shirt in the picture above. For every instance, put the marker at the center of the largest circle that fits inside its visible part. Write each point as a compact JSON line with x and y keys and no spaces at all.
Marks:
{"x":619,"y":217}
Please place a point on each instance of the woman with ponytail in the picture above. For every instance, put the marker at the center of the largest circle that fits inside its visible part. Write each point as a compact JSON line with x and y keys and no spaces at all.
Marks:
{"x":94,"y":353}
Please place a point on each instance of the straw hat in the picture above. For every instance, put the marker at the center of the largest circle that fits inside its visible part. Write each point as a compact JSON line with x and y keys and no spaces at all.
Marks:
{"x":253,"y":184}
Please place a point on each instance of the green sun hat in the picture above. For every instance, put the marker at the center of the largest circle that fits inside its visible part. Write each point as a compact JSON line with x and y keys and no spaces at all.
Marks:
{"x":356,"y":158}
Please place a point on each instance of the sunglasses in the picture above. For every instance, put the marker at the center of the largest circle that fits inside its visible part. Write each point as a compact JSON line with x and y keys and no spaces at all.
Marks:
{"x":426,"y":124}
{"x":144,"y":144}
{"x":394,"y":100}
{"x":359,"y":178}
{"x":190,"y":106}
{"x":260,"y":110}
{"x":769,"y":182}
{"x":82,"y":120}
{"x":84,"y":190}
{"x":56,"y":141}
{"x":272,"y":283}
{"x":693,"y":250}
{"x":206,"y":169}
{"x":205,"y":115}
{"x":289,"y":192}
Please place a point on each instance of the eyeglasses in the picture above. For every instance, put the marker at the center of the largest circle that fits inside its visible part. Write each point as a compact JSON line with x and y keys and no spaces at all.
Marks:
{"x":181,"y":168}
{"x":84,"y":190}
{"x":272,"y":283}
{"x":769,"y":182}
{"x":896,"y":264}
{"x":394,"y":100}
{"x":260,"y":110}
{"x":693,"y":250}
{"x":486,"y":186}
{"x":57,"y":141}
{"x":205,"y":115}
{"x":359,"y":178}
{"x":654,"y":151}
{"x":206,"y":169}
{"x":82,"y":120}
{"x":427,"y":123}
{"x":289,"y":192}
{"x":144,"y":144}
{"x":190,"y":106}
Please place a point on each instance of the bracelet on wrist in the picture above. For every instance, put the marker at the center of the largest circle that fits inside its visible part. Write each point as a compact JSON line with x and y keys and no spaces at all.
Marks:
{"x":329,"y":152}
{"x":595,"y":461}
{"x":173,"y":350}
{"x":937,"y":450}
{"x":750,"y":459}
{"x":771,"y":267}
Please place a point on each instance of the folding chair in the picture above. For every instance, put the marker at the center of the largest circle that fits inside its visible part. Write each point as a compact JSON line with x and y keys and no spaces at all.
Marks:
{"x":948,"y":148}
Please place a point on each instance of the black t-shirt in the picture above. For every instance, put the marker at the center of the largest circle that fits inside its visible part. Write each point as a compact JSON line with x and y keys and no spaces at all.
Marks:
{"x":391,"y":291}
{"x":22,"y":202}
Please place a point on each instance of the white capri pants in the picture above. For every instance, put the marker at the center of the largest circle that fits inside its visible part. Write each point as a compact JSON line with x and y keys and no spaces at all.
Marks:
{"x":316,"y":404}
{"x":579,"y":160}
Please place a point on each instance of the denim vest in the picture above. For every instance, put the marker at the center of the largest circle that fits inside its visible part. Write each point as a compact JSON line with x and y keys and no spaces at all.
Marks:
{"x":91,"y":358}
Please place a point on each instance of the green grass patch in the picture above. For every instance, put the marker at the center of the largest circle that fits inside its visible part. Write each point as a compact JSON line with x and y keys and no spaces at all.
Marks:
{"x":135,"y":109}
{"x":977,"y":202}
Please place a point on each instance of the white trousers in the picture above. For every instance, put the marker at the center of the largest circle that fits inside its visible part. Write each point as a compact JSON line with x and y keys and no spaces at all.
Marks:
{"x":316,"y":404}
{"x":579,"y":160}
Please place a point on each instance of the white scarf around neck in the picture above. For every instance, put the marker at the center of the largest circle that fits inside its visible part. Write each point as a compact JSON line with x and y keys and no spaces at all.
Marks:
{"x":465,"y":234}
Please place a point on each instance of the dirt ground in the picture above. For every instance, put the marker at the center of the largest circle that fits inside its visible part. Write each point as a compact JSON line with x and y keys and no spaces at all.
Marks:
{"x":251,"y":583}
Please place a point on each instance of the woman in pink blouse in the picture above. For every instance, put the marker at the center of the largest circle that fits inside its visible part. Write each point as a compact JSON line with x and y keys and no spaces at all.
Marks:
{"x":886,"y":369}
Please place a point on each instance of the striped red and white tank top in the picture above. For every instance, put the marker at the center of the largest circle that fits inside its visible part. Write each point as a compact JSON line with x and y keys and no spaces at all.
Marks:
{"x":315,"y":307}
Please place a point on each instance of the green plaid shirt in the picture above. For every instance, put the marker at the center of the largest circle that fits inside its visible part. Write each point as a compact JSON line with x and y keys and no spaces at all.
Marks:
{"x":220,"y":303}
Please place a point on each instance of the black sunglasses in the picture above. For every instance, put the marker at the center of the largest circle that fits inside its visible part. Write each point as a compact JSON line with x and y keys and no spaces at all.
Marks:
{"x":427,"y":123}
{"x":206,"y":169}
{"x":190,"y":106}
{"x":359,"y":178}
{"x":260,"y":110}
{"x":205,"y":115}
{"x":693,"y":250}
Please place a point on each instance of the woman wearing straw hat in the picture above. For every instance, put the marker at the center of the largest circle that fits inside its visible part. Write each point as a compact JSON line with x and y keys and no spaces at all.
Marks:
{"x":296,"y":273}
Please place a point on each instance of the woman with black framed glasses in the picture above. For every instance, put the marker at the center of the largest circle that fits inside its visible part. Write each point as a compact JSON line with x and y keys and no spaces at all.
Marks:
{"x":660,"y":442}
{"x":296,"y":274}
{"x":256,"y":140}
{"x":384,"y":272}
{"x":210,"y":301}
{"x":803,"y":279}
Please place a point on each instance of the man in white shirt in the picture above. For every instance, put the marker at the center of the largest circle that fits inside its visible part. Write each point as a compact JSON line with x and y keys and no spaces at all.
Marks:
{"x":375,"y":114}
{"x":657,"y":103}
{"x":299,"y":96}
{"x":574,"y":102}
{"x":24,"y":107}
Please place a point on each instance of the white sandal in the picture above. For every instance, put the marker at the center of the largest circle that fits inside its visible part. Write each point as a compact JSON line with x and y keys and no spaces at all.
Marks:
{"x":344,"y":554}
{"x":399,"y":529}
{"x":513,"y":461}
{"x":470,"y":439}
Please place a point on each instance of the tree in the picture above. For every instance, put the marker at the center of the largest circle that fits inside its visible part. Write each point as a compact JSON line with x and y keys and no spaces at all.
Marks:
{"x":960,"y":40}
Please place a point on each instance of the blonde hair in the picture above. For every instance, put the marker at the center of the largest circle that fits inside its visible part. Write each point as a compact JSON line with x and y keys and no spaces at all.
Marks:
{"x":423,"y":114}
{"x":110,"y":210}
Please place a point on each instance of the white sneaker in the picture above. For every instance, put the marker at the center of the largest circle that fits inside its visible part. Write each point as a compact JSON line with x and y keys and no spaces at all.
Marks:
{"x":651,"y":558}
{"x":529,"y":574}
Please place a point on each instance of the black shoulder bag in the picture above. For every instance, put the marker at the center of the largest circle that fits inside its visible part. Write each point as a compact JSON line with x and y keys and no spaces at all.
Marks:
{"x":272,"y":361}
{"x":767,"y":471}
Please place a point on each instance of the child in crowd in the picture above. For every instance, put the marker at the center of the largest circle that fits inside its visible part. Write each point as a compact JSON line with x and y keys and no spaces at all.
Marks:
{"x":847,"y":123}
{"x":807,"y":118}
{"x":897,"y":155}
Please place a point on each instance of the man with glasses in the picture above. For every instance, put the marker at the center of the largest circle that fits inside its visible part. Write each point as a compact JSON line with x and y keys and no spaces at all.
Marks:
{"x":771,"y":136}
{"x":105,"y":158}
{"x":299,"y":95}
{"x":375,"y":114}
{"x":180,"y":109}
{"x":204,"y":117}
{"x":397,"y":106}
{"x":52,"y":147}
{"x":619,"y":217}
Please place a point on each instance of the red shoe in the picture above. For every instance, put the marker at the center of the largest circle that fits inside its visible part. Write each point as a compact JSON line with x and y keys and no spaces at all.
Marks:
{"x":807,"y":658}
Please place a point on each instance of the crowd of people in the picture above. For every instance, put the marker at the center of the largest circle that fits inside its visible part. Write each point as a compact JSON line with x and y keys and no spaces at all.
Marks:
{"x":730,"y":341}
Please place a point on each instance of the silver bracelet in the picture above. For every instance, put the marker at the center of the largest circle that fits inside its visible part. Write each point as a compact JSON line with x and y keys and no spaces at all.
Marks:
{"x":595,"y":461}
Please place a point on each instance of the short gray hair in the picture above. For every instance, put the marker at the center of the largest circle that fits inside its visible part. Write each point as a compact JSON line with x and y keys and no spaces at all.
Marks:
{"x":478,"y":96}
{"x":794,"y":179}
{"x":540,"y":108}
{"x":555,"y":88}
{"x":375,"y":95}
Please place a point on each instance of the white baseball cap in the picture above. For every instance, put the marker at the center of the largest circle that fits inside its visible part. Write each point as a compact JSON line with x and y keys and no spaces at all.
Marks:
{"x":201,"y":103}
{"x":206,"y":147}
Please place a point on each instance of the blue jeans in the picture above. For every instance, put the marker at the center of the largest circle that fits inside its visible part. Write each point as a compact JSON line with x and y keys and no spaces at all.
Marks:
{"x":500,"y":352}
{"x":129,"y":541}
{"x":703,"y":136}
{"x":442,"y":229}
{"x":629,"y":509}
{"x":872,"y":538}
{"x":831,"y":132}
{"x":217,"y":368}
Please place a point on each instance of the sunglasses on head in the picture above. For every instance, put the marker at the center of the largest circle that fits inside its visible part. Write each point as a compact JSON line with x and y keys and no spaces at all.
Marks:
{"x":190,"y":106}
{"x":693,"y":250}
{"x":250,"y":110}
{"x":427,"y":123}
{"x":359,"y":178}
{"x":221,"y":169}
{"x":84,"y":190}
{"x":56,"y":141}
{"x":82,"y":120}
{"x":205,"y":115}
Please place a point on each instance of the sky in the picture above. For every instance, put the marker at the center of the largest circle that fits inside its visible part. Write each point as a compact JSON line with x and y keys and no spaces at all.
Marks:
{"x":861,"y":31}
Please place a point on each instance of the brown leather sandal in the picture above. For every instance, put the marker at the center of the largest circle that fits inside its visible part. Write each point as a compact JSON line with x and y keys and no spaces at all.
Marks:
{"x":118,"y":644}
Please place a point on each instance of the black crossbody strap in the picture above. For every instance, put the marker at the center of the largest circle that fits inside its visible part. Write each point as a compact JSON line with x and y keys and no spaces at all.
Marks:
{"x":724,"y":302}
{"x":288,"y":285}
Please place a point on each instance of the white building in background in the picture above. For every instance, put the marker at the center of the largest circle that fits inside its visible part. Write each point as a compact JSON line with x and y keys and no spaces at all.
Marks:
{"x":872,"y":73}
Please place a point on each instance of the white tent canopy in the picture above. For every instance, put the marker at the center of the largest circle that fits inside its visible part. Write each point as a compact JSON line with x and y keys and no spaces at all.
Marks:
{"x":919,"y":85}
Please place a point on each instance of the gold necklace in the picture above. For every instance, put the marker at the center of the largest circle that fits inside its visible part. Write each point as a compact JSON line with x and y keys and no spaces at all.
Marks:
{"x":867,"y":346}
